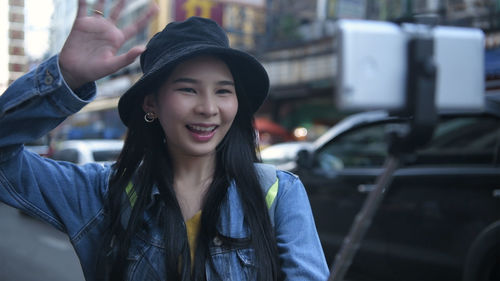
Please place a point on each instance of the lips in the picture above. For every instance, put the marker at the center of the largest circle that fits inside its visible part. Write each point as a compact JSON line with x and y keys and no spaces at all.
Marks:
{"x":201,"y":129}
{"x":202,"y":132}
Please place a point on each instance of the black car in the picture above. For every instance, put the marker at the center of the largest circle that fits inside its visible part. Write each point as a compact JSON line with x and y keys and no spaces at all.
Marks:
{"x":440,"y":218}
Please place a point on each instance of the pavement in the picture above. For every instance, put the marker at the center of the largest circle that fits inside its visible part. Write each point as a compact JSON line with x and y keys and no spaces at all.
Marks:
{"x":31,"y":250}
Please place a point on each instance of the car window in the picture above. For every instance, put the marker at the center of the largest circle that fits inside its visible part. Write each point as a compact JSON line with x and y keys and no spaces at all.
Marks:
{"x":70,"y":155}
{"x":105,"y":155}
{"x":361,"y":147}
{"x":462,"y":140}
{"x":456,"y":141}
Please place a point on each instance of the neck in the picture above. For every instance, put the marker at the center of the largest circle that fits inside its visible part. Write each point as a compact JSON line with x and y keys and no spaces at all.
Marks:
{"x":195,"y":170}
{"x":192,"y":178}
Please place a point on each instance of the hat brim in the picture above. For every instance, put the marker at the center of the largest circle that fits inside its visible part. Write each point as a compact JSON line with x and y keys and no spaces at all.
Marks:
{"x":252,"y":76}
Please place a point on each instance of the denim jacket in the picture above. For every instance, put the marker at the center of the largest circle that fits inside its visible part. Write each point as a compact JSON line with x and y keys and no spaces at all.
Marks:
{"x":71,"y":197}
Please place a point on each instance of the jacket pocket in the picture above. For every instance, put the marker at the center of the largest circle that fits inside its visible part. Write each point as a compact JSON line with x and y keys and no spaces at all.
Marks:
{"x":232,"y":259}
{"x":143,"y":261}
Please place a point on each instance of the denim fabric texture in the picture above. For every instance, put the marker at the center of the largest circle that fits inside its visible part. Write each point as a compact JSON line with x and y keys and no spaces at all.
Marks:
{"x":71,"y":197}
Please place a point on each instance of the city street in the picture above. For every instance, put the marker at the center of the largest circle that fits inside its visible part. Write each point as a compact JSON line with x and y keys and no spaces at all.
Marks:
{"x":31,"y":250}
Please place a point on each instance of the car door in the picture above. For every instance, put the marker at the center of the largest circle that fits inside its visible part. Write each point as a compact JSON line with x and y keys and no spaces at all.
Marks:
{"x":67,"y":154}
{"x":442,"y":199}
{"x":342,"y":174}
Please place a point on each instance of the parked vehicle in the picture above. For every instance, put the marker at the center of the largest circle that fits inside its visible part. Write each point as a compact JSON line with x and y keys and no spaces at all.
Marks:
{"x":87,"y":151}
{"x":41,"y":146}
{"x":440,"y":218}
{"x":284,"y":155}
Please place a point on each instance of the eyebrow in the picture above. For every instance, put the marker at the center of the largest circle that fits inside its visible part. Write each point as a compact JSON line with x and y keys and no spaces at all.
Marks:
{"x":185,"y":80}
{"x":226,"y":83}
{"x":194,"y":81}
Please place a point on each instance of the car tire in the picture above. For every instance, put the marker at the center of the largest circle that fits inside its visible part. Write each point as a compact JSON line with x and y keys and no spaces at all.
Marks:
{"x":483,"y":258}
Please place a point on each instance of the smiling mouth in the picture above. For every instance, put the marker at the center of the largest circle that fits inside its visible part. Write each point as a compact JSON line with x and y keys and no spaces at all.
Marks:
{"x":201,"y":129}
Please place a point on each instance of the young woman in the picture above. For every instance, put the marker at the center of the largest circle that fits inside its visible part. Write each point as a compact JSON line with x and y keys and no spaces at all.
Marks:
{"x":186,"y":199}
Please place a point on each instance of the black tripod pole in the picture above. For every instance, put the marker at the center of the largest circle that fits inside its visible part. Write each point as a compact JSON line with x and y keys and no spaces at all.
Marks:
{"x":362,"y":221}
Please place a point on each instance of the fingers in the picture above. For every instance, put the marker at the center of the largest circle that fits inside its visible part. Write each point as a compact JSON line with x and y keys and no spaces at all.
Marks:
{"x":123,"y":60}
{"x":117,"y":9}
{"x":134,"y":28}
{"x":82,"y":8}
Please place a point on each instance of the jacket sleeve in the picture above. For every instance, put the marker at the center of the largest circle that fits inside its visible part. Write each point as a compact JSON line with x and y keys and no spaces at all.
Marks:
{"x":36,"y":103}
{"x":300,"y":250}
{"x":60,"y":193}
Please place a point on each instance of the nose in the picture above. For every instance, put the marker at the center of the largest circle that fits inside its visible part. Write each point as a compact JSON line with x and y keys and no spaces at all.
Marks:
{"x":207,"y":105}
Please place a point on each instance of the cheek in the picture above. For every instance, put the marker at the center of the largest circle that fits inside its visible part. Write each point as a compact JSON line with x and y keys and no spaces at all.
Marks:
{"x":230,"y":109}
{"x":170,"y":107}
{"x":168,"y":114}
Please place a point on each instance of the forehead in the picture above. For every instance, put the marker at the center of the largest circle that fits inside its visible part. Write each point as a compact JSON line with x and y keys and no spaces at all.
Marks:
{"x":203,"y":67}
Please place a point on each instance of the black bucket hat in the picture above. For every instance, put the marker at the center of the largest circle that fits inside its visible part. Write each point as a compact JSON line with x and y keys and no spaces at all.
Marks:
{"x":179,"y":41}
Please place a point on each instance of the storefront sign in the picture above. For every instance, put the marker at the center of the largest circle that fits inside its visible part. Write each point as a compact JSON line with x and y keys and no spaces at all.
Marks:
{"x":201,"y":8}
{"x":256,"y":3}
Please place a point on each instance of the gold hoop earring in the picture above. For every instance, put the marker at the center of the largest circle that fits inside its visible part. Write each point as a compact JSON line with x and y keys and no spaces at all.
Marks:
{"x":149,"y":117}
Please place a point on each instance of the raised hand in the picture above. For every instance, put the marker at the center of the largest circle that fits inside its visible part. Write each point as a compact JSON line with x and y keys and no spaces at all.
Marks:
{"x":90,"y":51}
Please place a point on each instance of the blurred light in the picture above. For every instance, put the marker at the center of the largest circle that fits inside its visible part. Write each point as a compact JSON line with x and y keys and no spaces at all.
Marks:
{"x":300,"y":132}
{"x":37,"y":25}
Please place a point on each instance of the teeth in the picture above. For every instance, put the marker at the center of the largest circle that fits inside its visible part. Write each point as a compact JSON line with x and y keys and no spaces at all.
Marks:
{"x":202,"y":129}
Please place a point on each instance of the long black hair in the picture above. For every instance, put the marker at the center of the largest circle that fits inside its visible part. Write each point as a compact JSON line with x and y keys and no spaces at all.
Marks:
{"x":146,"y":159}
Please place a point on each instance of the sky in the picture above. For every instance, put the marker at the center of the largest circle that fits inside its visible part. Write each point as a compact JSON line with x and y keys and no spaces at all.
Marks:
{"x":37,"y":24}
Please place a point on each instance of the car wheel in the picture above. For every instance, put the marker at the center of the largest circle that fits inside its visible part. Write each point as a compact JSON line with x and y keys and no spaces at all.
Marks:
{"x":483,"y":258}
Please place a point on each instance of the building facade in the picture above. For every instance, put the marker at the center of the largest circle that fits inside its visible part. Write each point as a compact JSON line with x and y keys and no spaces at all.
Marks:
{"x":4,"y":46}
{"x":12,"y":54}
{"x":293,"y":39}
{"x":302,"y":63}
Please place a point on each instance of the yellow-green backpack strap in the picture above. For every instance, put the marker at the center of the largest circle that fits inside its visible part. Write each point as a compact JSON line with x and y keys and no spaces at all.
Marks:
{"x":128,"y":202}
{"x":269,"y":183}
{"x":132,"y":196}
{"x":271,"y":194}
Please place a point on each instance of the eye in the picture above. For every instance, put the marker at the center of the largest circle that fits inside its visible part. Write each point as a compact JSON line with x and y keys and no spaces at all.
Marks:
{"x":187,"y":90}
{"x":224,"y":91}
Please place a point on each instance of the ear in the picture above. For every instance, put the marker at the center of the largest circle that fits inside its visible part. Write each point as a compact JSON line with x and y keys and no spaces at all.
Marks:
{"x":149,"y":104}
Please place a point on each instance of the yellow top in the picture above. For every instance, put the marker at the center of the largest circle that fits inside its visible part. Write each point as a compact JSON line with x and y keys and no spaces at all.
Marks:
{"x":193,"y":228}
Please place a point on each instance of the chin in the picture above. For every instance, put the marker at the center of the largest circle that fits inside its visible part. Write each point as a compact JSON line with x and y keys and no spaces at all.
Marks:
{"x":199,"y":152}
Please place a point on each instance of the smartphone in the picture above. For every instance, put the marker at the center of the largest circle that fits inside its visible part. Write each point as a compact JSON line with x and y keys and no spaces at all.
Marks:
{"x":372,"y":65}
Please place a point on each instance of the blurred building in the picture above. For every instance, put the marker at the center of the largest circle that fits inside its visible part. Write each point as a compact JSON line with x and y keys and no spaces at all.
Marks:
{"x":285,"y":18}
{"x":4,"y":46}
{"x":301,"y":62}
{"x":292,"y":38}
{"x":245,"y":23}
{"x":12,"y":56}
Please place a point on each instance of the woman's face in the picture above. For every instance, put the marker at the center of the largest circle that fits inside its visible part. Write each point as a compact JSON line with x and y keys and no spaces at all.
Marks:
{"x":195,"y":106}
